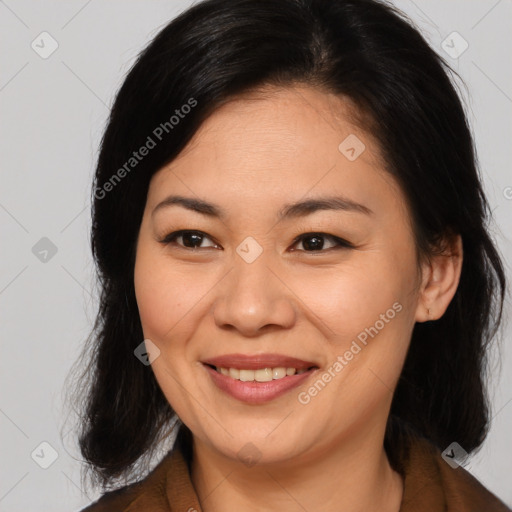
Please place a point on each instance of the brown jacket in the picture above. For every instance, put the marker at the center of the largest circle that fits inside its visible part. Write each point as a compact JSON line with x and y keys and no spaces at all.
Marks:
{"x":430,"y":485}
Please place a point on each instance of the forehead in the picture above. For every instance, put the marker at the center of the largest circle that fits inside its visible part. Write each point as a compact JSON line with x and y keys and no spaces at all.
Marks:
{"x":291,"y":123}
{"x":272,"y":142}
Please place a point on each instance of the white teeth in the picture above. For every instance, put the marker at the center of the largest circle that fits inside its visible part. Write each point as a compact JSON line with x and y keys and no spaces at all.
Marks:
{"x":260,"y":375}
{"x":263,"y":375}
{"x":278,"y":373}
{"x":234,"y":373}
{"x":246,"y":375}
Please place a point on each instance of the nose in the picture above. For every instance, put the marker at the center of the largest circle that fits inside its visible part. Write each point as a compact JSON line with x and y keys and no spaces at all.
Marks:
{"x":253,"y":299}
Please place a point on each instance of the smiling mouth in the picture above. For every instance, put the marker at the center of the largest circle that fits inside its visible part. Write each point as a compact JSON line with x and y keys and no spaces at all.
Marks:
{"x":261,"y":374}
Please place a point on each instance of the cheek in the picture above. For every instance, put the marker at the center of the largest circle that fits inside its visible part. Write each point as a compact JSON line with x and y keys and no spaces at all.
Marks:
{"x":353,"y":297}
{"x":152,"y":297}
{"x":155,"y":291}
{"x":168,"y":295}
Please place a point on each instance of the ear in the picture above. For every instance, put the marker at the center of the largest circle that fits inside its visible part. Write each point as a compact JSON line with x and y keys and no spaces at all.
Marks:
{"x":440,"y":278}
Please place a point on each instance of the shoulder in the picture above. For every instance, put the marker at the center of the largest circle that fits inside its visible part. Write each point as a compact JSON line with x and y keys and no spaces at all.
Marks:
{"x":463,"y":489}
{"x":117,"y":500}
{"x":431,"y":481}
{"x":148,"y":492}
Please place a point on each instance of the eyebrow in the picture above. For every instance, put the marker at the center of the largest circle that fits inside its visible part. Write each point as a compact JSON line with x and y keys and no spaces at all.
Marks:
{"x":293,"y":210}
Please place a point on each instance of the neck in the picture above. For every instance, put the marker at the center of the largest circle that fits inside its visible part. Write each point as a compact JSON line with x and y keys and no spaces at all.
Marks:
{"x":352,"y":476}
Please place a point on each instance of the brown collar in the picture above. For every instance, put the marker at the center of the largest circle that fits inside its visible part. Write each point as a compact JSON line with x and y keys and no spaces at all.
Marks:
{"x":431,"y":484}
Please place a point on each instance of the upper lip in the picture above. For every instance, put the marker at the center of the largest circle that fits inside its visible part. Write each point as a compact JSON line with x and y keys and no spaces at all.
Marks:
{"x":254,"y":362}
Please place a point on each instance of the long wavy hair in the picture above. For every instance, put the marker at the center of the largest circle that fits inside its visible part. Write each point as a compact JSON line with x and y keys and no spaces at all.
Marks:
{"x":366,"y":51}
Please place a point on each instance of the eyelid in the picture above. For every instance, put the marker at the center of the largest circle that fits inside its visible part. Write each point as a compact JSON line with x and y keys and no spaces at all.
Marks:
{"x":340,"y":242}
{"x":304,"y":231}
{"x":169,"y":238}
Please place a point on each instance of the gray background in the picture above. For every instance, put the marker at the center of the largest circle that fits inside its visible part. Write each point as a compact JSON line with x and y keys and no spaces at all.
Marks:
{"x":53,"y":112}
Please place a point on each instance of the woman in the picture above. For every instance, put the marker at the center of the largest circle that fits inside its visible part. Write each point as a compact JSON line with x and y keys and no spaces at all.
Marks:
{"x":296,"y":271}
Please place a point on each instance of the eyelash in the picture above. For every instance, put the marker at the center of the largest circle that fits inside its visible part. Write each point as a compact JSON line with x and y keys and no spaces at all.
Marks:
{"x":341,"y":244}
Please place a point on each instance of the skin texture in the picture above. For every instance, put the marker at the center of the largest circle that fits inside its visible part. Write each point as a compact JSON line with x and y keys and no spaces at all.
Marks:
{"x":251,"y":157}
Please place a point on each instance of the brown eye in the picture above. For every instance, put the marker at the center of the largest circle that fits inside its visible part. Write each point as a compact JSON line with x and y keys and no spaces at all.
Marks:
{"x":187,"y":239}
{"x":315,"y":242}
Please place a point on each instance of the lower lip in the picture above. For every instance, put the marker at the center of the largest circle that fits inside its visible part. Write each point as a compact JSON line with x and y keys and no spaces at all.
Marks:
{"x":257,"y":392}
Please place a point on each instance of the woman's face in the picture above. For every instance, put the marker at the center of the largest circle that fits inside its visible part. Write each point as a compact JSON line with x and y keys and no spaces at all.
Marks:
{"x":258,"y":283}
